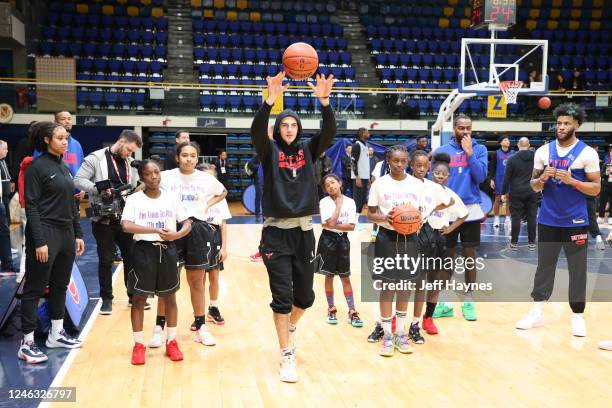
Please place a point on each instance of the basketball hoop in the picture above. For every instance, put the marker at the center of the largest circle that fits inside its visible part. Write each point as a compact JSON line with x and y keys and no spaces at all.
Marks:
{"x":510,"y":89}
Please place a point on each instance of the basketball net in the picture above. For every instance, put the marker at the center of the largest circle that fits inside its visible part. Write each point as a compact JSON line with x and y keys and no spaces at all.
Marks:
{"x":510,"y":89}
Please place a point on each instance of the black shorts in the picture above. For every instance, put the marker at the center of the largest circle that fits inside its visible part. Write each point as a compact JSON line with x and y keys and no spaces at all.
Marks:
{"x":335,"y":252}
{"x":291,"y":262}
{"x":388,"y":245}
{"x":432,"y":246}
{"x":196,"y":248}
{"x":215,"y":249}
{"x":154,"y":269}
{"x":469,"y":233}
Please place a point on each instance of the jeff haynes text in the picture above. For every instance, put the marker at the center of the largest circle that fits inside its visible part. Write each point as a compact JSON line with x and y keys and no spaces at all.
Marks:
{"x":435,"y":285}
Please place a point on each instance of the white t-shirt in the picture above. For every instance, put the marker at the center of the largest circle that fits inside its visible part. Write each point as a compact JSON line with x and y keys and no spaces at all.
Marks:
{"x":348,"y":211}
{"x":442,"y":218}
{"x":217,"y":213}
{"x":588,"y":159}
{"x":161,"y":212}
{"x":387,"y":193}
{"x":193,"y":190}
{"x":376,"y":172}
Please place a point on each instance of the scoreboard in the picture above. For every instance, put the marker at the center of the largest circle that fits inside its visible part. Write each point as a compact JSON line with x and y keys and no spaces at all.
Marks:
{"x":498,"y":12}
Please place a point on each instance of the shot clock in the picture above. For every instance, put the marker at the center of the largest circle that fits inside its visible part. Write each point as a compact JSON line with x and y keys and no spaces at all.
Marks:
{"x":501,"y":13}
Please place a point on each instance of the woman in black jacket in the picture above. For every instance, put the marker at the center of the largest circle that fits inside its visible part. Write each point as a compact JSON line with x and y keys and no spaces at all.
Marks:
{"x":53,"y":238}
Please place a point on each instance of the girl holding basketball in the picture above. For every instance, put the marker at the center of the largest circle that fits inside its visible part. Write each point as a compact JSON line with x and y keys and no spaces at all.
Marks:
{"x":439,"y":221}
{"x":395,"y":239}
{"x":432,"y":198}
{"x":338,"y":217}
{"x":198,"y":191}
{"x":151,"y":215}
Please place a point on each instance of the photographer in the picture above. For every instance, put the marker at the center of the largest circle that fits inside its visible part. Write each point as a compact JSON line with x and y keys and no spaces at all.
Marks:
{"x":110,"y":163}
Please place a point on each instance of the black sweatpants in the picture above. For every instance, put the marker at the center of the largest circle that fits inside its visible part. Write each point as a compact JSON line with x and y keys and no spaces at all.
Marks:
{"x":574,"y":241}
{"x":360,"y":194}
{"x":592,"y":211}
{"x":289,"y":256}
{"x":55,"y":273}
{"x":523,"y":205}
{"x":107,"y":235}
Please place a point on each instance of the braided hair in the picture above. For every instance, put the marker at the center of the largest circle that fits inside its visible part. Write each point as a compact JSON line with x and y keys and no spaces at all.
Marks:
{"x":40,"y":131}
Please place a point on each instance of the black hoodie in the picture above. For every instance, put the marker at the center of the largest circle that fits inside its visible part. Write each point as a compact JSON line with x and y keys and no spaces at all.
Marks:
{"x":290,"y":186}
{"x":519,"y":169}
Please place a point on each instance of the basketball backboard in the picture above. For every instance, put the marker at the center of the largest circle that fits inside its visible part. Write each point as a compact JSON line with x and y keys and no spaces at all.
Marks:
{"x":485,"y":62}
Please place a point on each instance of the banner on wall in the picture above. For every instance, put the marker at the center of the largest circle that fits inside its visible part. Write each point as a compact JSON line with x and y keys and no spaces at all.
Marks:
{"x":88,"y":120}
{"x":211,"y":122}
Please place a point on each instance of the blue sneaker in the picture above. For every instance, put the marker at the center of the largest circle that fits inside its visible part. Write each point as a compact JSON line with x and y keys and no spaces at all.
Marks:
{"x":331,"y":315}
{"x":354,"y":320}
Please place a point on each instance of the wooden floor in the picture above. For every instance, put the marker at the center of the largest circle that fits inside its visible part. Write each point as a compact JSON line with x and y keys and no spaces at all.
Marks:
{"x":484,"y":363}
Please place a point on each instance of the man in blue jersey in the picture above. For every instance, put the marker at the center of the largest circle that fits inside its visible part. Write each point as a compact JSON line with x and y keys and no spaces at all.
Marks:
{"x":498,"y":168}
{"x":468,"y":169}
{"x":566,"y":171}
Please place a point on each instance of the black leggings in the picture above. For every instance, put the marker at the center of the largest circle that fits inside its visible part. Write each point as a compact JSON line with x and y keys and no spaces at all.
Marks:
{"x":55,"y":273}
{"x":605,"y":197}
{"x":574,"y":241}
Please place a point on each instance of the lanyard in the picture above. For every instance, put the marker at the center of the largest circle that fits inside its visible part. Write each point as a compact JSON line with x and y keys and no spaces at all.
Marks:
{"x":128,"y":175}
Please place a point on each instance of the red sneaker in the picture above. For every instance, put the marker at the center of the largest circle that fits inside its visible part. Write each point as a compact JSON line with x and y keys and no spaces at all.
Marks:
{"x":429,"y":326}
{"x":138,"y":354}
{"x":173,"y":351}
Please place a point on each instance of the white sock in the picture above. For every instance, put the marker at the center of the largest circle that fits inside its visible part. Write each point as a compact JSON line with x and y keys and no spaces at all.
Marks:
{"x":28,"y":337}
{"x":415,"y":319}
{"x":138,"y":337}
{"x":171,"y":333}
{"x":468,"y":296}
{"x":56,"y":327}
{"x":538,"y":307}
{"x":496,"y":219}
{"x":400,"y":321}
{"x":598,"y":238}
{"x":386,"y":324}
{"x":577,"y":315}
{"x":292,"y":327}
{"x":214,"y":303}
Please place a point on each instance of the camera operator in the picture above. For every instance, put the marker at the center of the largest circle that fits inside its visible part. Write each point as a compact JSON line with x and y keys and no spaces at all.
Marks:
{"x":110,"y":163}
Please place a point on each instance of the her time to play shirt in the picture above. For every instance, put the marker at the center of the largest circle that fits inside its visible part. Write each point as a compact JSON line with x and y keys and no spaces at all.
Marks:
{"x":161,"y":212}
{"x":442,"y":218}
{"x":193,"y":190}
{"x":348,"y":211}
{"x":217,"y":213}
{"x":387,"y":193}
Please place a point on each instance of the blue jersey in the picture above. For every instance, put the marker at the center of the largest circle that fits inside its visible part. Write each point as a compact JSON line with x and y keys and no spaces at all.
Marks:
{"x":562,"y":204}
{"x":501,"y":158}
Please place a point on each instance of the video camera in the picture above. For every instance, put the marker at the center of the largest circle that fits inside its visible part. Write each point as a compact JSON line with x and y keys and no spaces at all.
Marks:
{"x":111,"y":205}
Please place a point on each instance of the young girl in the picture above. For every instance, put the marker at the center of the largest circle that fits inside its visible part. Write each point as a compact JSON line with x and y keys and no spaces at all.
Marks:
{"x":216,"y":217}
{"x":151,"y":215}
{"x":439,"y":222}
{"x":198,"y":191}
{"x":338,"y":216}
{"x":395,"y":189}
{"x":53,"y":238}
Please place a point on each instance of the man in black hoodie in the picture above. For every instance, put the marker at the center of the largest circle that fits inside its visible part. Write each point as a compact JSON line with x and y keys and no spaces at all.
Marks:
{"x":523,"y":200}
{"x":289,"y":201}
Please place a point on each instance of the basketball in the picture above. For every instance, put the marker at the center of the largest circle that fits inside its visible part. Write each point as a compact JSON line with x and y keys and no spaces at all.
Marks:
{"x":544,"y":102}
{"x":406,"y":219}
{"x":300,"y":60}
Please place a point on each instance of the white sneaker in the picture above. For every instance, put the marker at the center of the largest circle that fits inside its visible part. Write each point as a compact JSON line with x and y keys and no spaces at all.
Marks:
{"x":203,"y":336}
{"x":292,"y":341}
{"x":30,"y":352}
{"x":531,"y":320}
{"x":62,"y":340}
{"x":157,"y":337}
{"x":605,"y":345}
{"x":14,"y":251}
{"x":600,"y":220}
{"x":578,"y":325}
{"x":288,"y":368}
{"x":599,"y":244}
